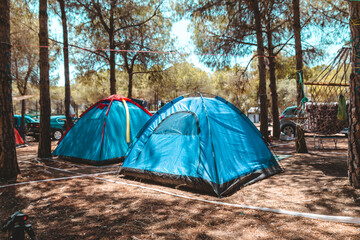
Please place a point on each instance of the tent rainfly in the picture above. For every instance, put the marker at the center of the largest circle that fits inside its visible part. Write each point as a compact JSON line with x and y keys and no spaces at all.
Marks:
{"x":104,"y":132}
{"x":205,"y":143}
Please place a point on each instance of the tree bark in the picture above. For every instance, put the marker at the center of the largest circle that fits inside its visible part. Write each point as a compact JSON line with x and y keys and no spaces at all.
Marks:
{"x":354,"y":113}
{"x":44,"y":148}
{"x":273,"y":88}
{"x":300,"y":139}
{"x":130,"y":86}
{"x":9,"y":168}
{"x":112,"y":53}
{"x":274,"y":97}
{"x":69,"y":121}
{"x":22,"y":87}
{"x":262,"y":71}
{"x":129,"y":68}
{"x":22,"y":124}
{"x":112,"y":71}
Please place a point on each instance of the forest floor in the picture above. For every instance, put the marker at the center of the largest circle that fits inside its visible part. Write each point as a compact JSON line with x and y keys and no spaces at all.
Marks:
{"x":69,"y":201}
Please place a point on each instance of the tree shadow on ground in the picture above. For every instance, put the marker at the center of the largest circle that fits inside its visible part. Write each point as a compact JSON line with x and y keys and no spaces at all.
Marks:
{"x":330,"y":166}
{"x":91,"y":208}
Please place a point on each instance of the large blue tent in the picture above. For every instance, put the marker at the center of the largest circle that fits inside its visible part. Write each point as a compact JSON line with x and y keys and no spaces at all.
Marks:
{"x":104,"y":132}
{"x":205,"y":143}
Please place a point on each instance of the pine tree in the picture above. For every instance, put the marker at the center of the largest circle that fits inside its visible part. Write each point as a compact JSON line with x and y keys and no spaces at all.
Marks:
{"x":354,"y":114}
{"x":9,"y":168}
{"x":44,"y":148}
{"x":69,"y":121}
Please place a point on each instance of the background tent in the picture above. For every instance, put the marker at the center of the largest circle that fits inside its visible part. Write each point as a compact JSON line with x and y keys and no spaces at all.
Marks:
{"x":104,"y":131}
{"x":18,"y":138}
{"x":205,"y":143}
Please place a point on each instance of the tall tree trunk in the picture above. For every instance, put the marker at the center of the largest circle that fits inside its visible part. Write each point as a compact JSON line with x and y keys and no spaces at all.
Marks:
{"x":22,"y":90}
{"x":130,"y":86}
{"x":9,"y":168}
{"x":156,"y":99}
{"x":69,"y":121}
{"x":21,"y":129}
{"x":76,"y":109}
{"x":273,"y":89}
{"x":274,"y":97}
{"x":44,"y":149}
{"x":354,"y":112}
{"x":112,"y":53}
{"x":112,"y":72}
{"x":300,"y":139}
{"x":262,"y":71}
{"x":22,"y":124}
{"x":129,"y":69}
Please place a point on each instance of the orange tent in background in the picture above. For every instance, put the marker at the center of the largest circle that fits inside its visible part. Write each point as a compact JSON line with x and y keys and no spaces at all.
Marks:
{"x":18,"y":138}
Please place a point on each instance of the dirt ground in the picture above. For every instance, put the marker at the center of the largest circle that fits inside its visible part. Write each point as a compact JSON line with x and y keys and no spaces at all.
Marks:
{"x":69,"y":201}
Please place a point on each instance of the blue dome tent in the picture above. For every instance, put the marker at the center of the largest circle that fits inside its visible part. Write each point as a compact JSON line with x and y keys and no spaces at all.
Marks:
{"x":203,"y":142}
{"x":104,"y":132}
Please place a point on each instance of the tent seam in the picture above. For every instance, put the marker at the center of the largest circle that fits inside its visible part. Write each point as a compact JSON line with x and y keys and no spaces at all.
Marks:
{"x":103,"y":132}
{"x":212,"y":146}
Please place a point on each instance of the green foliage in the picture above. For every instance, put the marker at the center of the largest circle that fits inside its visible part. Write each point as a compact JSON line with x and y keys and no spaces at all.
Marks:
{"x":178,"y":79}
{"x":286,"y":89}
{"x":31,"y":103}
{"x":94,"y":85}
{"x":236,"y":86}
{"x":187,"y":79}
{"x":132,"y":27}
{"x":182,"y":78}
{"x":220,"y":30}
{"x":24,"y":56}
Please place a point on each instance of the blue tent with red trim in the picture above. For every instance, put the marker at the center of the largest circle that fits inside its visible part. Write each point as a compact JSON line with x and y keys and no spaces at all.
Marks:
{"x":205,"y":143}
{"x":104,"y":132}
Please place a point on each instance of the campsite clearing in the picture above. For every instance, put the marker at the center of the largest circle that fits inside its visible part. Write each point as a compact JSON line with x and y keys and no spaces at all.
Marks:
{"x":72,"y":205}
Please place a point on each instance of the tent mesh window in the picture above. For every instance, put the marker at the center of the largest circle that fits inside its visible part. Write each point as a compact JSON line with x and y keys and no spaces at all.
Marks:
{"x":329,"y":92}
{"x":182,"y":123}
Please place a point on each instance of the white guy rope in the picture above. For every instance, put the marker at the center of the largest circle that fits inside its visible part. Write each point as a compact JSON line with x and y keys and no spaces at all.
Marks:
{"x":339,"y":219}
{"x":56,"y":179}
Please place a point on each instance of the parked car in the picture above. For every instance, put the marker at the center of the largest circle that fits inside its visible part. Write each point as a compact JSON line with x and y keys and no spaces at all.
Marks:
{"x":345,"y":132}
{"x":17,"y":124}
{"x":287,"y":126}
{"x":56,"y":125}
{"x":17,"y":121}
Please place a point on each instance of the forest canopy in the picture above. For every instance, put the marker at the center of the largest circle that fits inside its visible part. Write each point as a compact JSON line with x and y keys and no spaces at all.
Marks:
{"x":147,"y":61}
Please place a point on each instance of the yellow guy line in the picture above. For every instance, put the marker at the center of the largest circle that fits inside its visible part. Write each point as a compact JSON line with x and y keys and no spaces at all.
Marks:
{"x":127,"y":121}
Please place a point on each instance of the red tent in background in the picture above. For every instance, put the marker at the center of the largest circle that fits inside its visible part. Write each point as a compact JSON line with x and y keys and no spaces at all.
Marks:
{"x":18,"y":139}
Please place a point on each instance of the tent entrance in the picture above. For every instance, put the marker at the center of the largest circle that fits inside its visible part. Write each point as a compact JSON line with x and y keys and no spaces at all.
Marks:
{"x":177,"y":144}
